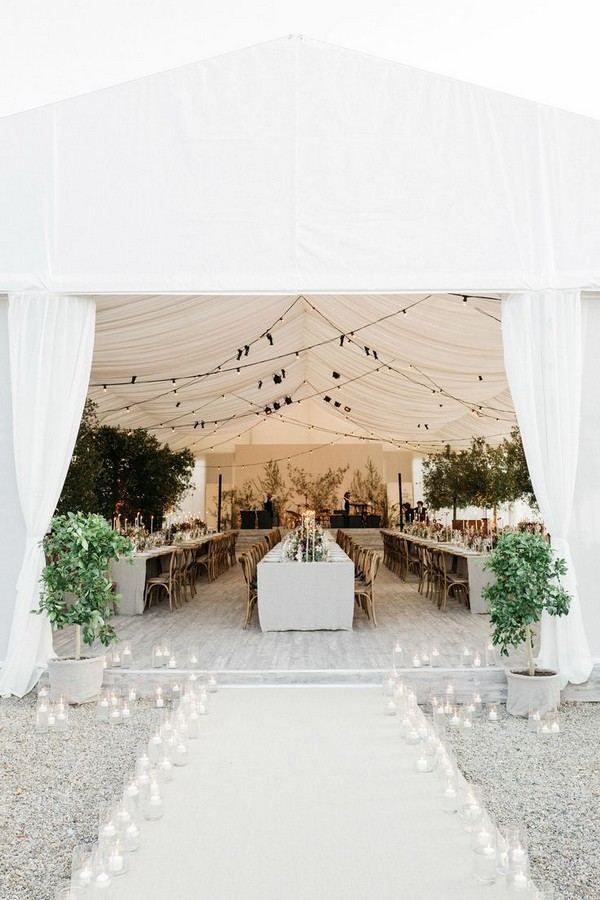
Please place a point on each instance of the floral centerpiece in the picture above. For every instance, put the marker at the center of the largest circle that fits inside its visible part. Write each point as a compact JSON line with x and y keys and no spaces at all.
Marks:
{"x":307,"y":543}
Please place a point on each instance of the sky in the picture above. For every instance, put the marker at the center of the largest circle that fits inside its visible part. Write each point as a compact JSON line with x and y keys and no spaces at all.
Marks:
{"x":544,"y":50}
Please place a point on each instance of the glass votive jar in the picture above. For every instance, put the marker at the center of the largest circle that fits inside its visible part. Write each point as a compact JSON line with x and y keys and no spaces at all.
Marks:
{"x":164,"y":767}
{"x":478,"y":704}
{"x":126,"y":654}
{"x":157,"y":656}
{"x":180,"y":752}
{"x":101,"y":880}
{"x":484,"y":861}
{"x":131,"y":835}
{"x":212,"y":683}
{"x":143,"y":761}
{"x":125,"y":712}
{"x":155,"y":743}
{"x":398,"y":655}
{"x":478,"y":660}
{"x":415,"y":659}
{"x":81,"y":866}
{"x":466,"y":657}
{"x":470,"y":805}
{"x":490,"y":654}
{"x":172,"y":661}
{"x":114,"y":660}
{"x":61,"y":714}
{"x":436,"y":658}
{"x":117,"y":862}
{"x":518,"y":882}
{"x":533,"y":719}
{"x":131,"y":792}
{"x":107,"y":828}
{"x":425,"y":658}
{"x":492,"y":712}
{"x":159,"y":697}
{"x":152,"y":804}
{"x":466,"y":721}
{"x":454,"y":720}
{"x":103,"y":706}
{"x":449,"y":692}
{"x":193,"y":657}
{"x":549,"y":725}
{"x":450,"y":795}
{"x":389,"y":707}
{"x":42,"y":714}
{"x":411,"y":735}
{"x":114,"y":714}
{"x":193,"y":724}
{"x":389,"y":684}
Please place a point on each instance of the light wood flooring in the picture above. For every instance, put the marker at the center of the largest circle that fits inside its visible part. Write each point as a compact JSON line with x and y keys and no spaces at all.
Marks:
{"x":212,"y":622}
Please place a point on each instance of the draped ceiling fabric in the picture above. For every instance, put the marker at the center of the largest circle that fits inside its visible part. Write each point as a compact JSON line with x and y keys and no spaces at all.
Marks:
{"x":298,"y":166}
{"x":441,"y":344}
{"x":315,"y":191}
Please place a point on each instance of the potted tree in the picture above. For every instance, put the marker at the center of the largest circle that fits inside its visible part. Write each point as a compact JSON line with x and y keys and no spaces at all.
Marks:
{"x":527,"y":583}
{"x":78,"y":590}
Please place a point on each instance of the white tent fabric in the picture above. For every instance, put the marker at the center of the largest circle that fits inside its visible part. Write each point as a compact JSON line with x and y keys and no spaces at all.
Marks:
{"x":298,"y":166}
{"x":291,"y":167}
{"x":50,"y":342}
{"x":543,"y":355}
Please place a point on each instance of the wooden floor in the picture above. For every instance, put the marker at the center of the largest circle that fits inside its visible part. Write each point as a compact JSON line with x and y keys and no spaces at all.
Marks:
{"x":212,"y":622}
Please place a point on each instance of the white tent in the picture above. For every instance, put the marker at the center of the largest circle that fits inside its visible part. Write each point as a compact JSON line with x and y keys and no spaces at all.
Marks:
{"x":218,"y":194}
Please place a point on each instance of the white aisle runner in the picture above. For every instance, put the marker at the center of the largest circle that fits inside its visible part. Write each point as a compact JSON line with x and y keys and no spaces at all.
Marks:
{"x":302,"y":794}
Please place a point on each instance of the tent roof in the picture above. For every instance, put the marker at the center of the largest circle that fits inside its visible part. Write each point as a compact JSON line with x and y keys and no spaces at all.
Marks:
{"x":433,"y":374}
{"x":298,"y":166}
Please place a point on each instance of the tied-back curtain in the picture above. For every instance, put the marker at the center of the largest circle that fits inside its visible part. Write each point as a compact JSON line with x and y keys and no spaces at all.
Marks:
{"x":51,"y":340}
{"x":543,"y":350}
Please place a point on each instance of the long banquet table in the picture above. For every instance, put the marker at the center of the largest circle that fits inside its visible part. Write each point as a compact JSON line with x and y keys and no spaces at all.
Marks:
{"x":306,"y":596}
{"x":465,"y":562}
{"x":131,"y":579}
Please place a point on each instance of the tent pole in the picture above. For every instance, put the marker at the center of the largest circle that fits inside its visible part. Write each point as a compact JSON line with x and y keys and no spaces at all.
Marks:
{"x":400,"y":495}
{"x":219,"y":501}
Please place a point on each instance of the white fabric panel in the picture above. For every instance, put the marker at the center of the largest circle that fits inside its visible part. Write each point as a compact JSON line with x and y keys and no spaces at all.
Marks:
{"x":12,"y":527}
{"x":543,"y":350}
{"x":300,"y":166}
{"x":51,"y":340}
{"x":583,"y":532}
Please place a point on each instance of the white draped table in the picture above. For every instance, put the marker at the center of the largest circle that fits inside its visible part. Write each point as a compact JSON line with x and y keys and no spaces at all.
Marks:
{"x":130,"y":577}
{"x":306,"y":596}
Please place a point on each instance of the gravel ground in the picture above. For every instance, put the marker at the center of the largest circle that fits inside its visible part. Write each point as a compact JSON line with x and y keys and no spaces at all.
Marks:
{"x":51,"y":786}
{"x":551,"y":786}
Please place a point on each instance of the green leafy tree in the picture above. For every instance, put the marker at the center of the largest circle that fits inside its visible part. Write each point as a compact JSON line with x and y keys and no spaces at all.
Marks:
{"x":272,"y":482}
{"x":319,"y":491}
{"x":526,"y":583}
{"x":139,"y":474}
{"x":368,"y":487}
{"x":76,"y":587}
{"x":481,"y":476}
{"x":79,"y":490}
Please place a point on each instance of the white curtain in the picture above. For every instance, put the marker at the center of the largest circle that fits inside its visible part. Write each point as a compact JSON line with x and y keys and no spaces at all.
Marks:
{"x":51,"y":341}
{"x":543,"y":350}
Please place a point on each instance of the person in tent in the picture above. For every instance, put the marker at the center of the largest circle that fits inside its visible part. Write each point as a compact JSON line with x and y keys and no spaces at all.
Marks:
{"x":420,"y":512}
{"x":408,"y":513}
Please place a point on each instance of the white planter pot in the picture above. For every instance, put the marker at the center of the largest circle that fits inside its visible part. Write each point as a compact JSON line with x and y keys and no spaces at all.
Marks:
{"x":527,"y":692}
{"x":79,"y":680}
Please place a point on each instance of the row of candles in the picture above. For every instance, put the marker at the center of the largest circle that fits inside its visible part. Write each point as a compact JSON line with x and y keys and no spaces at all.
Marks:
{"x":412,"y":657}
{"x":164,"y":656}
{"x":120,"y":824}
{"x":498,"y":851}
{"x":461,"y":716}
